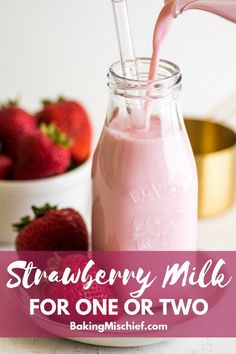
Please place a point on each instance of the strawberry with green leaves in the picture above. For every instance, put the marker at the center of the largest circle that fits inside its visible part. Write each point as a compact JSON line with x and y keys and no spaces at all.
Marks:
{"x":52,"y":230}
{"x":42,"y":153}
{"x":71,"y":118}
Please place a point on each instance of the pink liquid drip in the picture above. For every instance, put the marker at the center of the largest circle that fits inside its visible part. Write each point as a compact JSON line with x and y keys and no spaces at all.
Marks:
{"x":223,"y":8}
{"x":161,"y":29}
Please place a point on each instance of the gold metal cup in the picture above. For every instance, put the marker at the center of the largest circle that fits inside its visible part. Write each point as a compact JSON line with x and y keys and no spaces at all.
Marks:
{"x":214,"y":147}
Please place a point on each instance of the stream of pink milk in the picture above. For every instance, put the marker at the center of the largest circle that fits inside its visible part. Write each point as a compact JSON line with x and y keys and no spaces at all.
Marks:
{"x":162,"y":27}
{"x":223,"y":8}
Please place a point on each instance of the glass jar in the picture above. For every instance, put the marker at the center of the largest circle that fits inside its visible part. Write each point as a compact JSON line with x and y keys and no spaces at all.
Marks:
{"x":144,"y":175}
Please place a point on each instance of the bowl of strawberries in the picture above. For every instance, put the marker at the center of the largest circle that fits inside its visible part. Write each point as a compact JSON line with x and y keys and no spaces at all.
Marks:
{"x":44,"y":158}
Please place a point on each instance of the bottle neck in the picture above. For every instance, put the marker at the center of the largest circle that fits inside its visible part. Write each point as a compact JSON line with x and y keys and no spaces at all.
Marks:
{"x":167,"y":83}
{"x":135,"y":103}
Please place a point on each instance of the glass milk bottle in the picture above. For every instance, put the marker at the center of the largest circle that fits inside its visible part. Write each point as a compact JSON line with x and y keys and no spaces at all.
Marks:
{"x":144,"y":174}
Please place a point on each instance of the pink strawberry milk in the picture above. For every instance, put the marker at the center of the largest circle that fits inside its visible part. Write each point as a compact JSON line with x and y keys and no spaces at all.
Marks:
{"x":144,"y":175}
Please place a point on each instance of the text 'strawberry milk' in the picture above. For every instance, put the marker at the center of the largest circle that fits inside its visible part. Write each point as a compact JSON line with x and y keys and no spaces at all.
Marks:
{"x":144,"y":175}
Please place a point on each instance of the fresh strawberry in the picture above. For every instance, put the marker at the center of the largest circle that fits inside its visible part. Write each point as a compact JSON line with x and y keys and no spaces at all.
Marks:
{"x":74,"y":292}
{"x":52,"y":230}
{"x":42,"y":154}
{"x":5,"y":166}
{"x":15,"y":123}
{"x":72,"y":119}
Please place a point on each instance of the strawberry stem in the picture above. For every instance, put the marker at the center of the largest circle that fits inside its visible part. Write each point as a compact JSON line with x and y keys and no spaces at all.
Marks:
{"x":10,"y":103}
{"x":41,"y":211}
{"x":13,"y":103}
{"x":60,"y":99}
{"x":24,"y":221}
{"x":55,"y":134}
{"x":38,"y":213}
{"x":46,"y":102}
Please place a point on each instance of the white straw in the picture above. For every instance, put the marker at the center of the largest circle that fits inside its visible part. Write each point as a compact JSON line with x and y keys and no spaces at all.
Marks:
{"x":127,"y":54}
{"x":124,"y":37}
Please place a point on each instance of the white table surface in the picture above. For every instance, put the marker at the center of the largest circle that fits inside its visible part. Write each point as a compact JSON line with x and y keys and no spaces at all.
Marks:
{"x":214,"y":234}
{"x":62,"y":346}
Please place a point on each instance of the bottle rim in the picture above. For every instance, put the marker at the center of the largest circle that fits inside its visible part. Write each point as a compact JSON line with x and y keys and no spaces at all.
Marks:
{"x":168,"y":79}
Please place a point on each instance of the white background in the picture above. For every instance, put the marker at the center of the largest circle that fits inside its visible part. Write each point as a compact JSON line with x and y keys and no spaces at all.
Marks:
{"x":49,"y":47}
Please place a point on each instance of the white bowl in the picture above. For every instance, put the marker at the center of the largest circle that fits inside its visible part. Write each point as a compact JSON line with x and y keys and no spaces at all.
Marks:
{"x":71,"y":189}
